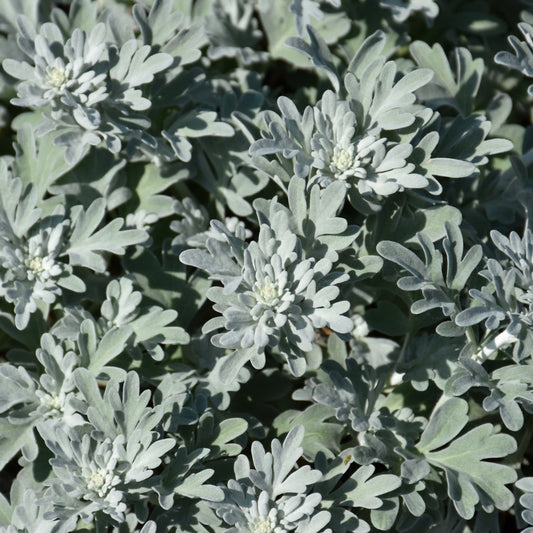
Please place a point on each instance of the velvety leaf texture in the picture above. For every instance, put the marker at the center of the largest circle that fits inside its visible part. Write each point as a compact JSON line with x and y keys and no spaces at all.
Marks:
{"x":266,"y":266}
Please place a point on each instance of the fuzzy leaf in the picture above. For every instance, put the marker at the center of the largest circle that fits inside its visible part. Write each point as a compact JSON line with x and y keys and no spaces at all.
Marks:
{"x":368,"y":488}
{"x":318,"y":52}
{"x":470,"y":477}
{"x":109,"y":347}
{"x":86,"y":244}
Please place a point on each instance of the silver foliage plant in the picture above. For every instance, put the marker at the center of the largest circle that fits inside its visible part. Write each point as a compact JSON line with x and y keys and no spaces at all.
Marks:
{"x":272,"y":496}
{"x":371,"y":133}
{"x":76,"y":80}
{"x":265,"y":266}
{"x":277,"y":289}
{"x":32,"y":246}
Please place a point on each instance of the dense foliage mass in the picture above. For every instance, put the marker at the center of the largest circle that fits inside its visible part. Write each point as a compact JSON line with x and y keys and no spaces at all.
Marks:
{"x":266,"y":266}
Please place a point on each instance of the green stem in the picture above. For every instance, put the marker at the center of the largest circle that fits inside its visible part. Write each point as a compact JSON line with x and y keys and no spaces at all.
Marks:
{"x":469,"y":332}
{"x":405,"y":344}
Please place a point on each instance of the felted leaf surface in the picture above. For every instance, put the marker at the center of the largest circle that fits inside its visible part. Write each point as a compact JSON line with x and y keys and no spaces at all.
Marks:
{"x":320,"y":436}
{"x":363,"y":489}
{"x":87,"y":243}
{"x":470,"y":477}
